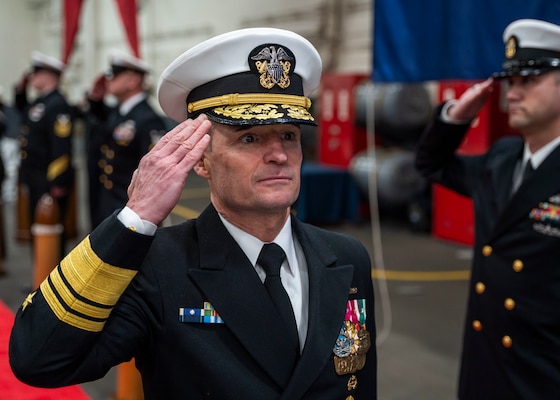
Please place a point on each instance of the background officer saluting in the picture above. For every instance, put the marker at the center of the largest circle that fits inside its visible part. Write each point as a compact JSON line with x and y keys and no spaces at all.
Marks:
{"x":121,"y":135}
{"x":512,"y":334}
{"x":46,"y":135}
{"x":243,"y":302}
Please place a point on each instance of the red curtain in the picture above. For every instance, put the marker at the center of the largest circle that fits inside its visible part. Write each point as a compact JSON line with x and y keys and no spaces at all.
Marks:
{"x":72,"y":9}
{"x":127,"y":9}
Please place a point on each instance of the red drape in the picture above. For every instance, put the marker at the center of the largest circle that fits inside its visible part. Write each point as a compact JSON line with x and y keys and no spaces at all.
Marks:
{"x":127,"y":9}
{"x":72,"y":10}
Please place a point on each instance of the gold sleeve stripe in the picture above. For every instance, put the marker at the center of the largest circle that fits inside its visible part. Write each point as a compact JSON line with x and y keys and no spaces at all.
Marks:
{"x":57,"y":167}
{"x":65,"y":316}
{"x":76,"y":295}
{"x":76,"y":304}
{"x":92,"y":278}
{"x":81,"y":281}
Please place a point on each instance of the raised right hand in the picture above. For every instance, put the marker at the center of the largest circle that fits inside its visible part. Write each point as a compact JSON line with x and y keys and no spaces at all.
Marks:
{"x":21,"y":85}
{"x":159,"y":180}
{"x":471,"y":101}
{"x":98,"y":89}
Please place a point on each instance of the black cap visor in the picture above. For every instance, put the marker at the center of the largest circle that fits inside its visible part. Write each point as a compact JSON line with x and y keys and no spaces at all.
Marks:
{"x":527,"y":67}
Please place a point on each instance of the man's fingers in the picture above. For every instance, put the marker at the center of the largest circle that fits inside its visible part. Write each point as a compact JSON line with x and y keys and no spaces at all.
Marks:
{"x":483,"y":86}
{"x":178,"y":135}
{"x":183,"y":146}
{"x":195,"y":153}
{"x":186,"y":142}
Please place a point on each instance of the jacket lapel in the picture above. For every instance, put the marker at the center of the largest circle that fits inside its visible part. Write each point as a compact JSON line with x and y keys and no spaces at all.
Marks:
{"x":502,"y":180}
{"x":530,"y":193}
{"x":329,"y":286}
{"x":114,"y":119}
{"x":231,"y":284}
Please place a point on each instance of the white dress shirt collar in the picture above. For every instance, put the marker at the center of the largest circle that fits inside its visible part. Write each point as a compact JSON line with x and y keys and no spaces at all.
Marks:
{"x":540,"y":155}
{"x":129,"y":104}
{"x":252,"y":246}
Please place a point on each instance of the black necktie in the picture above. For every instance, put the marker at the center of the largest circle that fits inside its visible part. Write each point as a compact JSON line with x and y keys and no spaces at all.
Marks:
{"x":271,"y":258}
{"x":528,"y":170}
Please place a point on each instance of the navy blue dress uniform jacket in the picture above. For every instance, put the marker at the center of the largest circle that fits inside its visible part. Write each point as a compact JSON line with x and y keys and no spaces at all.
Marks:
{"x":68,"y":331}
{"x":119,"y":142}
{"x":45,"y":144}
{"x":511,"y":344}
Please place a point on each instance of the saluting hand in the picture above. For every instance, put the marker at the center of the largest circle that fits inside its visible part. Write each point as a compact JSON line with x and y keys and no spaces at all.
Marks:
{"x":159,"y":180}
{"x":471,"y":102}
{"x":98,"y":88}
{"x":21,"y":85}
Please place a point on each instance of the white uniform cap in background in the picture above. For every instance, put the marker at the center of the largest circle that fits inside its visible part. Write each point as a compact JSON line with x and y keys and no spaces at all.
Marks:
{"x":121,"y":59}
{"x":41,"y":60}
{"x":245,"y":77}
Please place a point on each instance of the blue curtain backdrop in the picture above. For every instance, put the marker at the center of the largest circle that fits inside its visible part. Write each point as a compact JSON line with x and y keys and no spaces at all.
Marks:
{"x":425,"y":40}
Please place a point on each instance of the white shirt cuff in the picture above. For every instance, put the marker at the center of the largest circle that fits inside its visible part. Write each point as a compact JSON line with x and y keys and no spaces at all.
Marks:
{"x":133,"y":222}
{"x":444,"y":116}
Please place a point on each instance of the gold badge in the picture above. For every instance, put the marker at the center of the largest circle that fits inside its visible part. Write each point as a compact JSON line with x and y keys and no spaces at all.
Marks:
{"x":511,"y":47}
{"x":62,"y":126}
{"x":350,"y":364}
{"x":352,"y":383}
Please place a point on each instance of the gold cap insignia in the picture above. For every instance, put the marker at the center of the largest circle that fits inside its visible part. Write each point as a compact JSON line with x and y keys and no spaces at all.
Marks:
{"x":511,"y":47}
{"x":274,"y":65}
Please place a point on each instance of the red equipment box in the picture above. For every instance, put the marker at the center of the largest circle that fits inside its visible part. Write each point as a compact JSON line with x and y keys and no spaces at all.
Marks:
{"x":339,"y":137}
{"x":452,"y":214}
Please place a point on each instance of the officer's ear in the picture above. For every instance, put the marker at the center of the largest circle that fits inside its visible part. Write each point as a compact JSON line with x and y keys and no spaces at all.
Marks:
{"x":202,"y":168}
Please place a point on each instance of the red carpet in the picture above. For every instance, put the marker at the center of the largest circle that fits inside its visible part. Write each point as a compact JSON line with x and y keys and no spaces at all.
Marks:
{"x":10,"y":387}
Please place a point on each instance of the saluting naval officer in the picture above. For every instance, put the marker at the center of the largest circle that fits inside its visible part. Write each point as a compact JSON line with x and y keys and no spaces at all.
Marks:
{"x":45,"y":135}
{"x":244,"y":302}
{"x":512,"y":335}
{"x":119,"y":135}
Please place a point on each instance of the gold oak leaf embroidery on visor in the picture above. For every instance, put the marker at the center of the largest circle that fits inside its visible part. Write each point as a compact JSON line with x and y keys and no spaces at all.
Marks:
{"x":263,"y":112}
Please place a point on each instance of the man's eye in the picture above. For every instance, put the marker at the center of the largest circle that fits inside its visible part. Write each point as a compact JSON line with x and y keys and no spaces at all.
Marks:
{"x":289,"y":136}
{"x":248,"y":139}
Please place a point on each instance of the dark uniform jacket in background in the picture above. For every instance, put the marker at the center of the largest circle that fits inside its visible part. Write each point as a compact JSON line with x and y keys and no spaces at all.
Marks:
{"x":3,"y":130}
{"x":72,"y":338}
{"x":46,"y":145}
{"x":512,"y":332}
{"x":119,"y":142}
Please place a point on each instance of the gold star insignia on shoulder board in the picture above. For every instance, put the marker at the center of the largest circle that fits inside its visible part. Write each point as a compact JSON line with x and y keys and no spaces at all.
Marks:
{"x":28,"y":300}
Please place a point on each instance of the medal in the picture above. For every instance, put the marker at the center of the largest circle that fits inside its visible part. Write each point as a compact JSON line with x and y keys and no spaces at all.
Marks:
{"x":353,"y":340}
{"x":364,"y":342}
{"x":350,"y":364}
